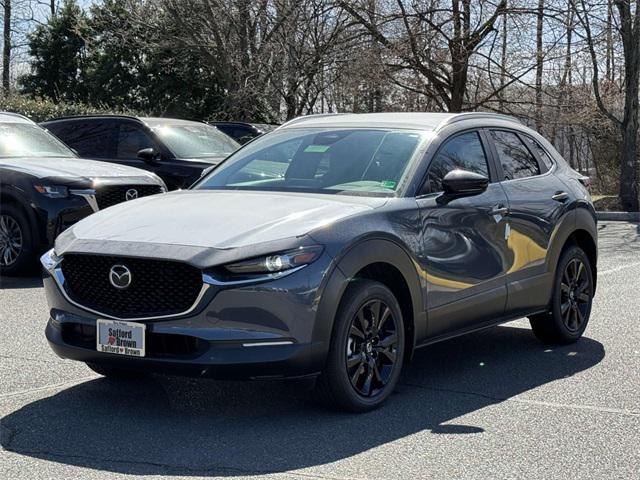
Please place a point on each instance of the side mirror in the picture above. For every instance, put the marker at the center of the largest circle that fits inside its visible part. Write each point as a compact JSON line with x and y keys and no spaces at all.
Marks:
{"x":149,"y":155}
{"x":462,"y":183}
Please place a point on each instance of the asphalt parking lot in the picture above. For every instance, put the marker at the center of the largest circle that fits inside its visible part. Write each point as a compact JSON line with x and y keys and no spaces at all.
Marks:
{"x":495,"y":404}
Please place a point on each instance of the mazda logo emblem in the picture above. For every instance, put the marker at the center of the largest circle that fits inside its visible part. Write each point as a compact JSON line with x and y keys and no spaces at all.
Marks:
{"x":131,"y":194}
{"x":120,"y":277}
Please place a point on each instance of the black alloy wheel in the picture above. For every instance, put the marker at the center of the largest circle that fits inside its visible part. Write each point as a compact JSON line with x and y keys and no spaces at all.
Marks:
{"x":366,"y":352}
{"x":372,"y":348}
{"x":575,"y":295}
{"x":571,"y":301}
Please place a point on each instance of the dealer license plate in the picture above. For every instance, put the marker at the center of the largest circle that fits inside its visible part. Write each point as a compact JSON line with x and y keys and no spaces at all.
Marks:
{"x":120,"y":338}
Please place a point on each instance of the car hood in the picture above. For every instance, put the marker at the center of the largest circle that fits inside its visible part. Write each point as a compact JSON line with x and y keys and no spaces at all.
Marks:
{"x":71,"y":167}
{"x":183,"y":225}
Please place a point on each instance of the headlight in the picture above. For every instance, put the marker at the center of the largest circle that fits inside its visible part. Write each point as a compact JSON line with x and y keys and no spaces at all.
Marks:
{"x":279,"y":262}
{"x":52,"y":191}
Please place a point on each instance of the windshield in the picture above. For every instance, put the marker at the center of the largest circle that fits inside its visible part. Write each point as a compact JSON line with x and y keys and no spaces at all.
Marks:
{"x":353,"y":161}
{"x":195,"y":140}
{"x":27,"y":140}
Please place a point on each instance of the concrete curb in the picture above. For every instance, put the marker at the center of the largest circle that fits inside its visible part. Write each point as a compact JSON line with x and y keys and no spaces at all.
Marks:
{"x":619,"y":216}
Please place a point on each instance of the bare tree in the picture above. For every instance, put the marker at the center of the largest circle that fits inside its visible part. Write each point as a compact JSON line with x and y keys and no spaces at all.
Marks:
{"x":628,"y":30}
{"x":6,"y":47}
{"x":539,"y":62}
{"x":425,"y":24}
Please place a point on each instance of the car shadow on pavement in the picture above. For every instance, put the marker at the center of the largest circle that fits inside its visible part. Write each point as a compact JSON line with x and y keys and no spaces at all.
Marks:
{"x":20,"y":282}
{"x":176,"y":426}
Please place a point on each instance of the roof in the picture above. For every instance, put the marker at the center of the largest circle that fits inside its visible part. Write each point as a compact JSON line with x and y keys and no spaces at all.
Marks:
{"x":9,"y":117}
{"x":415,"y":120}
{"x":154,"y":121}
{"x":147,"y":120}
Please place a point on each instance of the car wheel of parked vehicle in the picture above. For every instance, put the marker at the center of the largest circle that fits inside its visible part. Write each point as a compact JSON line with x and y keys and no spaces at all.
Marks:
{"x":367,"y":347}
{"x":15,"y":241}
{"x":116,"y":373}
{"x":571,"y":300}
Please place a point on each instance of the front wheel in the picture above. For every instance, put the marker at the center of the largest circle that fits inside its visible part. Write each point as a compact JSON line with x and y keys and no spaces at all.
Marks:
{"x":367,"y":349}
{"x":571,"y":302}
{"x":15,"y":241}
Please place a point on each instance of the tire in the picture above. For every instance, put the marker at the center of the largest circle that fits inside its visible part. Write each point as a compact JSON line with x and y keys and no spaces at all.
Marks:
{"x":16,"y":246}
{"x":116,"y":373}
{"x":571,"y":301}
{"x":364,"y":360}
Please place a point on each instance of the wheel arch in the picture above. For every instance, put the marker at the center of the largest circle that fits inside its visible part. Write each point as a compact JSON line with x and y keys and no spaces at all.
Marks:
{"x":579,"y":228}
{"x":8,"y":196}
{"x":389,"y":263}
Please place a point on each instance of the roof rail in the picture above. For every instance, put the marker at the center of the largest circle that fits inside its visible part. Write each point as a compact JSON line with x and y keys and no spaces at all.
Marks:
{"x":93,"y":115}
{"x":459,"y":117}
{"x":302,"y":118}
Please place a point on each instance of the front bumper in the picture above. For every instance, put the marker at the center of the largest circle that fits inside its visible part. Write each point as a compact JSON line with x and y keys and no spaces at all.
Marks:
{"x":262,"y":330}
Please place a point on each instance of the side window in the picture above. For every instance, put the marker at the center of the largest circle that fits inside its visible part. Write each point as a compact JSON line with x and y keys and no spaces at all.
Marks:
{"x":542,"y":153}
{"x":92,"y":139}
{"x":464,"y":152}
{"x":131,"y":139}
{"x":515,"y":158}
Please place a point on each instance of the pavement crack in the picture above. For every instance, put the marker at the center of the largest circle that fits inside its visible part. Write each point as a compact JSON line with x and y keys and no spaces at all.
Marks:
{"x":54,"y":386}
{"x":26,"y":359}
{"x":496,"y":399}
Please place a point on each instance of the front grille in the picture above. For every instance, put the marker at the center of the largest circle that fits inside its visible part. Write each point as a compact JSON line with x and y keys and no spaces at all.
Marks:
{"x":157,"y":344}
{"x":113,"y":194}
{"x":157,"y":288}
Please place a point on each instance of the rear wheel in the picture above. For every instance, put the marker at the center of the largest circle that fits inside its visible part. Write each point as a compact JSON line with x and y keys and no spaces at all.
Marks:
{"x":571,"y":302}
{"x":15,"y":241}
{"x":116,"y":373}
{"x":367,"y":349}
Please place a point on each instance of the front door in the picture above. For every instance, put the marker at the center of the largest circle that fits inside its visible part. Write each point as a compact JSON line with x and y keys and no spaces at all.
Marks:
{"x":464,"y":256}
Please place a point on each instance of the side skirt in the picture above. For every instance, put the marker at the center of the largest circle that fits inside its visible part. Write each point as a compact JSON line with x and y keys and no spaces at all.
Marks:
{"x":477,"y":328}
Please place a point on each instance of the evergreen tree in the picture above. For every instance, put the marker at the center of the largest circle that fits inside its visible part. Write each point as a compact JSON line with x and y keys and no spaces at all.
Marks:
{"x":58,"y":51}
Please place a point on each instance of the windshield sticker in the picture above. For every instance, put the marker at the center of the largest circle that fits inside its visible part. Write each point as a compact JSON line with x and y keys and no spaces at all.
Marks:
{"x":317,"y":148}
{"x":388,"y":184}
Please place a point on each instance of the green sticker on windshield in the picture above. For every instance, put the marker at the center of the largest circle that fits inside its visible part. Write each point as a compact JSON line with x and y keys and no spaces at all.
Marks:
{"x":388,"y":184}
{"x":317,"y":148}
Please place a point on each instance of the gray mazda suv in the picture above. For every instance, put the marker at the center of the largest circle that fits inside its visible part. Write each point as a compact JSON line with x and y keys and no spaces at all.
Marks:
{"x":332,"y":247}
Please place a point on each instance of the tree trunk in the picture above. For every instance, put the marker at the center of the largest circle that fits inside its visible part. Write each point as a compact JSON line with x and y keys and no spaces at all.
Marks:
{"x":539,"y":64}
{"x":629,"y":25}
{"x":503,"y":62}
{"x":6,"y":51}
{"x":629,"y":154}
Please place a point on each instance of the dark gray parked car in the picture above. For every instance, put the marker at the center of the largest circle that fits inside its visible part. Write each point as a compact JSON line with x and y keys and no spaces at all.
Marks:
{"x":332,"y":247}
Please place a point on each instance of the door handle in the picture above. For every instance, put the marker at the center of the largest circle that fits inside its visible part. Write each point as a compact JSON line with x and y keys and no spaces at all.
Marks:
{"x":499,"y":210}
{"x":560,"y":196}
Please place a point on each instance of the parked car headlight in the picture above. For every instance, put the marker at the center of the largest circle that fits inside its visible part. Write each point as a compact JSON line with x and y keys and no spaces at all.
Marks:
{"x":278,"y":262}
{"x":52,"y":191}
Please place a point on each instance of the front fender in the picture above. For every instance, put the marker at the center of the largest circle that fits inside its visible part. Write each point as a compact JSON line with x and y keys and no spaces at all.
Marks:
{"x":349,"y":263}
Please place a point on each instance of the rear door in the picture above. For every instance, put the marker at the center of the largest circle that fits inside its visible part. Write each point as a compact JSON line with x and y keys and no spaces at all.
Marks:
{"x":536,"y":202}
{"x":464,"y":251}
